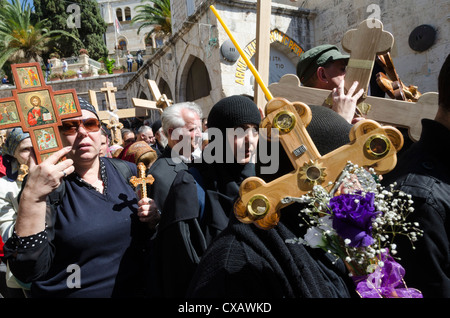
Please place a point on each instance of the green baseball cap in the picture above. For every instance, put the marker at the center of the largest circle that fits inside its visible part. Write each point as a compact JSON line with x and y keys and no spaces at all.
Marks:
{"x":315,"y":57}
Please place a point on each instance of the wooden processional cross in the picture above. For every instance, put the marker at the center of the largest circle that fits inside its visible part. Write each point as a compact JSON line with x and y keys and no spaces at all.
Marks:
{"x":371,"y":145}
{"x":37,"y":109}
{"x":361,"y":43}
{"x":112,"y":115}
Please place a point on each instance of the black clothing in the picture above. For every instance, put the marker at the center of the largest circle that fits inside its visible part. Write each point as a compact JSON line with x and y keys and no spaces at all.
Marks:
{"x":164,"y":170}
{"x":245,"y":261}
{"x":424,"y":172}
{"x":64,"y":262}
{"x":192,"y":217}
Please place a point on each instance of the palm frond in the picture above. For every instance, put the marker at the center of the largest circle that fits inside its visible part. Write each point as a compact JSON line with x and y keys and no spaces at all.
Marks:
{"x":154,"y":13}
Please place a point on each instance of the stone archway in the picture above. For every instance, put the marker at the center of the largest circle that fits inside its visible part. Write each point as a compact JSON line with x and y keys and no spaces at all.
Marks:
{"x":195,"y":82}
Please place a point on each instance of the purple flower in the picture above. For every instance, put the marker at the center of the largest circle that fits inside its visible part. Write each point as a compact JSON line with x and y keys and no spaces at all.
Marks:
{"x":352,"y":217}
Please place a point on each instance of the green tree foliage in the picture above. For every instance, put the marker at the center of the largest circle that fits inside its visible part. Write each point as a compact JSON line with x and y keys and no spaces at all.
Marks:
{"x":91,"y":25}
{"x":22,"y":37}
{"x":154,"y":13}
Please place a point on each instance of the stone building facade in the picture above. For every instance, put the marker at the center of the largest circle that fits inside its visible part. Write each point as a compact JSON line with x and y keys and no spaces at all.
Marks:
{"x":194,"y":64}
{"x":127,"y":35}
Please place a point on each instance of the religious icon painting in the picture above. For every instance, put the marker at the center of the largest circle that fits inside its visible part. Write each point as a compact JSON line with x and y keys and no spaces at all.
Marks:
{"x":46,"y":155}
{"x":45,"y":138}
{"x":9,"y":114}
{"x":28,"y":77}
{"x":37,"y":108}
{"x":67,"y":103}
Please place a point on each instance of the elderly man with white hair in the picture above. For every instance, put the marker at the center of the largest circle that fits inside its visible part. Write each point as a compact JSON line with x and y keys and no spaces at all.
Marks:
{"x":181,"y":123}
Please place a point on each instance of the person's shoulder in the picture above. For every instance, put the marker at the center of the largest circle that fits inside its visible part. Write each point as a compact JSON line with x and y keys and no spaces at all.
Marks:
{"x":125,"y":167}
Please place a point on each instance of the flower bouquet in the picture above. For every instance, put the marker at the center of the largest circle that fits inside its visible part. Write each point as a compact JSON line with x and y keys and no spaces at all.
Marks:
{"x":356,"y":219}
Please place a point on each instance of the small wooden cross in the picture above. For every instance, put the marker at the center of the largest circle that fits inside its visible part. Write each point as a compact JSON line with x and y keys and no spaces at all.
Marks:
{"x":116,"y":135}
{"x":37,"y":109}
{"x":142,"y":180}
{"x":391,"y":83}
{"x":370,"y":146}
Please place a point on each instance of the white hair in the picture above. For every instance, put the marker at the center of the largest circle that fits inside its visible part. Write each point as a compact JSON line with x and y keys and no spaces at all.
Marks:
{"x":143,"y":129}
{"x":171,"y":117}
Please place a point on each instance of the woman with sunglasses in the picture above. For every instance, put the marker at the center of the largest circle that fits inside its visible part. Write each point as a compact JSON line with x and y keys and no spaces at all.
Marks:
{"x":92,"y":244}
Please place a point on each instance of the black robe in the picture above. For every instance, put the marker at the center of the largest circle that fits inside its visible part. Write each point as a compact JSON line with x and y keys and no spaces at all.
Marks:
{"x":247,"y":262}
{"x":197,"y":209}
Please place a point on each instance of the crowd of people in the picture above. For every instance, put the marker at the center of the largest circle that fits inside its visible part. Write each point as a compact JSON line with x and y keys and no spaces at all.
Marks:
{"x":78,"y":228}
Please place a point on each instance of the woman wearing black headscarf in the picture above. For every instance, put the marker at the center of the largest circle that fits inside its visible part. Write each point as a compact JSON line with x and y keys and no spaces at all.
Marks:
{"x":201,"y":199}
{"x":245,"y":261}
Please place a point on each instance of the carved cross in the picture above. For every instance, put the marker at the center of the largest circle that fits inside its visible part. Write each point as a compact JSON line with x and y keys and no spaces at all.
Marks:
{"x":37,"y":109}
{"x":142,"y":180}
{"x":365,"y":44}
{"x":116,"y":135}
{"x":370,"y":146}
{"x":383,"y":110}
{"x":161,"y":100}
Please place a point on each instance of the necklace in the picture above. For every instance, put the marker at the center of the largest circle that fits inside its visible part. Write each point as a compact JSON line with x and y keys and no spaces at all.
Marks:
{"x":100,"y":185}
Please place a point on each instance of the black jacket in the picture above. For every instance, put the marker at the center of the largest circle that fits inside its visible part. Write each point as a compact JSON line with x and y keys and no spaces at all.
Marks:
{"x":196,"y":210}
{"x":424,"y":172}
{"x":248,"y":262}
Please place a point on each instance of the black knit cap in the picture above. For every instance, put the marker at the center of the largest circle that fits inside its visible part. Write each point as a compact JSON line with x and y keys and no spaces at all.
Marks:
{"x":233,"y":111}
{"x":156,"y":125}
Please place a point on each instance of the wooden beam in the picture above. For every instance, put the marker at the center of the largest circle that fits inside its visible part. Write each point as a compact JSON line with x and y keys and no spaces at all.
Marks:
{"x":262,"y":55}
{"x":384,"y":110}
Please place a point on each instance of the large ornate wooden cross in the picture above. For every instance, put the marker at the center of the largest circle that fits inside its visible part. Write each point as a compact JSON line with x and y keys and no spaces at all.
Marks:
{"x":371,"y":146}
{"x":37,"y":109}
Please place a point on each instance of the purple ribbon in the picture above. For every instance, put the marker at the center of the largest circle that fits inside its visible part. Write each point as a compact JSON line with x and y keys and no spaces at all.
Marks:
{"x":386,"y":282}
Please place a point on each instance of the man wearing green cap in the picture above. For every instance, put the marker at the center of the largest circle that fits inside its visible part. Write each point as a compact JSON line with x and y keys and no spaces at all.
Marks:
{"x":324,"y":67}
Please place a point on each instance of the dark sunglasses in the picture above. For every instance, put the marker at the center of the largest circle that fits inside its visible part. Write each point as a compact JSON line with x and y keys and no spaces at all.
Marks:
{"x":70,"y":127}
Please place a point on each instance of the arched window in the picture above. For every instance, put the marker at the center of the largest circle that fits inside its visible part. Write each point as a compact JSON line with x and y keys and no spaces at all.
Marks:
{"x":123,"y":44}
{"x":198,"y":84}
{"x":127,"y":14}
{"x":119,"y":14}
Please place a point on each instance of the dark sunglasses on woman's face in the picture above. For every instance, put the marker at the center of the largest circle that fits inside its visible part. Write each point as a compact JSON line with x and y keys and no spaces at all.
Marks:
{"x":70,"y":127}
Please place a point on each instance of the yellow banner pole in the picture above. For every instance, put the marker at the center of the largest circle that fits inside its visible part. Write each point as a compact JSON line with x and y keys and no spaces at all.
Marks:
{"x":241,"y":52}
